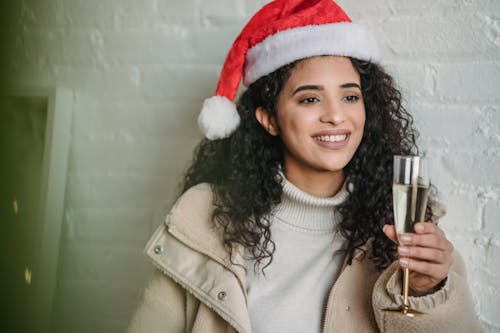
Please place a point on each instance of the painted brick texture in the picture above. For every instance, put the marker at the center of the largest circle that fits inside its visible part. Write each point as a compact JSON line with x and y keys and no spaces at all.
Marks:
{"x":139,"y":70}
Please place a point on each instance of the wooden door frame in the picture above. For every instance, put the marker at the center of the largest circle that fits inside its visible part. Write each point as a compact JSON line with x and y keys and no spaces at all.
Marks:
{"x":51,"y":198}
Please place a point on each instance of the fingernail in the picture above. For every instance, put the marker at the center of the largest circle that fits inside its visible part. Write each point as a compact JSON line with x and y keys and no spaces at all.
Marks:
{"x":403,"y":250}
{"x":403,"y":262}
{"x":405,"y":238}
{"x":419,"y":227}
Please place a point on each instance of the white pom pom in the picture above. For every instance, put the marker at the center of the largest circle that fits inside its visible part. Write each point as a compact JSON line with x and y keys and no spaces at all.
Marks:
{"x":218,"y":118}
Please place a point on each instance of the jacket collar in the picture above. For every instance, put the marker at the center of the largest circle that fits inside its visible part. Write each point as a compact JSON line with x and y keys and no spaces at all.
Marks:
{"x":191,"y":222}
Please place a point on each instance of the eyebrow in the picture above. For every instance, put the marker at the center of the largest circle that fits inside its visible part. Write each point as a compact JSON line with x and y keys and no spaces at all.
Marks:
{"x":308,"y":87}
{"x":350,"y":85}
{"x":319,"y":87}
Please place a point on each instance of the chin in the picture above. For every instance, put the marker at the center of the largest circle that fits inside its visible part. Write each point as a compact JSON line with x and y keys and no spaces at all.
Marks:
{"x":331,"y":167}
{"x":335,"y":165}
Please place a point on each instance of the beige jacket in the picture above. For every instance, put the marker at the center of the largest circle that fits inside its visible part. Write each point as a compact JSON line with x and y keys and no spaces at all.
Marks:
{"x":197,"y":289}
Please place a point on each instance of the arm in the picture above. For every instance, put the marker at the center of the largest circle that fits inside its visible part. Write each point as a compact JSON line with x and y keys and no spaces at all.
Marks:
{"x":161,"y":309}
{"x":439,"y":287}
{"x":449,"y":309}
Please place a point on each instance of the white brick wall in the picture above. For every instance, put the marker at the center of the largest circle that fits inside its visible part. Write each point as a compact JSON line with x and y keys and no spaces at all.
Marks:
{"x":139,"y":70}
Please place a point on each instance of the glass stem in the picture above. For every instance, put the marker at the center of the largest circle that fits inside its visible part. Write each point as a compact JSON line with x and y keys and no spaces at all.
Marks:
{"x":406,"y":282}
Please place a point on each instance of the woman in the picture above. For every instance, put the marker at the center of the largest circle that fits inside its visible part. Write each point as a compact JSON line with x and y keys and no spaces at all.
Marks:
{"x":285,"y":221}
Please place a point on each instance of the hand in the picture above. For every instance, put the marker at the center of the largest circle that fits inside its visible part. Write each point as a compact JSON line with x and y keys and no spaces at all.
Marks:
{"x":427,"y":253}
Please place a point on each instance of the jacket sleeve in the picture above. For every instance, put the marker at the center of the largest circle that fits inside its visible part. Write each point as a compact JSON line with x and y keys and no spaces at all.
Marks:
{"x":449,"y":309}
{"x":161,"y":308}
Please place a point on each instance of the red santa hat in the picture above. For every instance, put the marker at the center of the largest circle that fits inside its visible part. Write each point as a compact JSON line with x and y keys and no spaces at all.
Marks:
{"x":280,"y":33}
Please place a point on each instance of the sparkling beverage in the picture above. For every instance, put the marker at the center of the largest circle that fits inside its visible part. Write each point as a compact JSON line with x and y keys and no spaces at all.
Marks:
{"x":402,"y":200}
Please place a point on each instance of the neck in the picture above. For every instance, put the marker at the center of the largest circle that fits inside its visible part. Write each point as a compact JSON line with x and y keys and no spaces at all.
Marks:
{"x":306,"y":213}
{"x":321,"y":184}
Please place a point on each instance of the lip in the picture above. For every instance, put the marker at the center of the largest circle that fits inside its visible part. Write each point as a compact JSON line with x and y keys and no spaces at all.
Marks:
{"x":332,"y":145}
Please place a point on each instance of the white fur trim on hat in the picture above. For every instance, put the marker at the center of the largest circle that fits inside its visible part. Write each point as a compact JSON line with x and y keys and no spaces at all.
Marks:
{"x":218,"y":118}
{"x":343,"y":39}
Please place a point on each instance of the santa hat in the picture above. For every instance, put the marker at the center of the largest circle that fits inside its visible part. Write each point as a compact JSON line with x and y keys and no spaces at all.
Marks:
{"x":280,"y":33}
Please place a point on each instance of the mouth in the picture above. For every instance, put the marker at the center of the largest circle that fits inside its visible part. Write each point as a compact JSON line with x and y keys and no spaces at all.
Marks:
{"x":331,"y":138}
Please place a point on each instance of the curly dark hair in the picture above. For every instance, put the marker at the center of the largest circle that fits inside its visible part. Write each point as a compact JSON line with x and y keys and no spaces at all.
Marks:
{"x":243,"y":169}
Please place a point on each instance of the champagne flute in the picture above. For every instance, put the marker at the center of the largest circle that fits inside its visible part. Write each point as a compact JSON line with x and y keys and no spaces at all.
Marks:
{"x":409,"y":190}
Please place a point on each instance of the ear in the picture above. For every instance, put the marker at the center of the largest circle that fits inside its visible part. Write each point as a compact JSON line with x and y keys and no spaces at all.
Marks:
{"x":267,"y":121}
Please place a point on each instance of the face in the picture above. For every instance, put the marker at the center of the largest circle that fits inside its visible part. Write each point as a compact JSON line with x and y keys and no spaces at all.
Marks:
{"x":320,"y":116}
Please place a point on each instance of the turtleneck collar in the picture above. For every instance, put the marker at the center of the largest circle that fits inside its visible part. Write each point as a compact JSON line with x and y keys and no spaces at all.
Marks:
{"x":305,"y":212}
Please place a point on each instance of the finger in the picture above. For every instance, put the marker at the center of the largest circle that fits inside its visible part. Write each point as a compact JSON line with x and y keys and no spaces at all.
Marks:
{"x":433,"y":270}
{"x":425,"y":254}
{"x":390,"y":232}
{"x":435,"y":240}
{"x":427,"y":228}
{"x":426,"y":240}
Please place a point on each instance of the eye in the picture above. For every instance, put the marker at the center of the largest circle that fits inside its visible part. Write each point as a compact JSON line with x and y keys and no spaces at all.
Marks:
{"x":351,"y":98}
{"x":309,"y":100}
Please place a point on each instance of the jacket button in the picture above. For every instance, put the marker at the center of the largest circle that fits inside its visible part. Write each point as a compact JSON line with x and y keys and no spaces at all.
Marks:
{"x":158,"y":249}
{"x":348,"y":308}
{"x":222,"y":295}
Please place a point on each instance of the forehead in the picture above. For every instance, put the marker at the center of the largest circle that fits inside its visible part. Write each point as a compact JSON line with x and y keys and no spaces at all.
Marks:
{"x":320,"y":68}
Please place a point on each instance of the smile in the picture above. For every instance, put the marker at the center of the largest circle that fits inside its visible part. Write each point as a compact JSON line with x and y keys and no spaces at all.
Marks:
{"x":331,"y":138}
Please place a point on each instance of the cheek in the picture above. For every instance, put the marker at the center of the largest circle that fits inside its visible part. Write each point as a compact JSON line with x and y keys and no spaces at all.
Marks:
{"x":359,"y":120}
{"x":293,"y":124}
{"x":296,"y":131}
{"x":359,"y":124}
{"x":291,"y":136}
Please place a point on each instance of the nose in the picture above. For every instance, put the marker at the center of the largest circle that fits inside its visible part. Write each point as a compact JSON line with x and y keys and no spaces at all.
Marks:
{"x":333,"y":113}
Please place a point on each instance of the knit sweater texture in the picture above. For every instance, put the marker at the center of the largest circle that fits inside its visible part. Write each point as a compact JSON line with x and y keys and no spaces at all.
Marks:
{"x":291,"y":295}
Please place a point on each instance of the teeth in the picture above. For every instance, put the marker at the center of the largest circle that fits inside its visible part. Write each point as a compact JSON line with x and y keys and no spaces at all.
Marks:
{"x":332,"y":138}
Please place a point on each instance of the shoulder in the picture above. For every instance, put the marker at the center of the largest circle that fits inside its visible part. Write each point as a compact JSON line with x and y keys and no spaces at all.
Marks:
{"x":197,"y":201}
{"x":199,"y":191}
{"x":190,"y":222}
{"x":192,"y":213}
{"x":196,"y":196}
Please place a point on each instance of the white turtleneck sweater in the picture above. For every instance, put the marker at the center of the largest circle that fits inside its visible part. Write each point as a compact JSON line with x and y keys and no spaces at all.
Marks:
{"x":292,"y":295}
